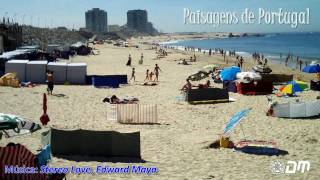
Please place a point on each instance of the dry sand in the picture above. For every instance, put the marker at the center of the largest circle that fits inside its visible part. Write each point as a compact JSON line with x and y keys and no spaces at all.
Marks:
{"x":177,"y":147}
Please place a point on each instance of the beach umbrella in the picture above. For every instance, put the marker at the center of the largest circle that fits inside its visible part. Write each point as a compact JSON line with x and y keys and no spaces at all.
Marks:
{"x":235,"y":120}
{"x":229,"y":73}
{"x":44,"y":118}
{"x":294,"y":86}
{"x":312,"y":69}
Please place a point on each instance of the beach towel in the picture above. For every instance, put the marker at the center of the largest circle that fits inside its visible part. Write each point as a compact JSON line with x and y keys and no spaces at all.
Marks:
{"x":23,"y":126}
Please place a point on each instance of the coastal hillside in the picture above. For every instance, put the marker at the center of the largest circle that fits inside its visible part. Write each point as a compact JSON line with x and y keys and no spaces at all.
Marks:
{"x":44,"y":36}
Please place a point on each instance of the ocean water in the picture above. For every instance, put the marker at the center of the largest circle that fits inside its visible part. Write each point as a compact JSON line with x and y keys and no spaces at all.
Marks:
{"x":274,"y":46}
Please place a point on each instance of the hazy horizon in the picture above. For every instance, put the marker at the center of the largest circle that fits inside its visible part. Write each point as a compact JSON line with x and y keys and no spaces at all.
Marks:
{"x":167,"y":16}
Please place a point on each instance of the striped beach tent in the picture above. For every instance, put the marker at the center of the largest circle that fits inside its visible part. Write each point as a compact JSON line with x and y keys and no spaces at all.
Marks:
{"x":16,"y":155}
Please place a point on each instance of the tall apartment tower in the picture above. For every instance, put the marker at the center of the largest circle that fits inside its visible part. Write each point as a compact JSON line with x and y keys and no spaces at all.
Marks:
{"x":137,"y":20}
{"x":97,"y":20}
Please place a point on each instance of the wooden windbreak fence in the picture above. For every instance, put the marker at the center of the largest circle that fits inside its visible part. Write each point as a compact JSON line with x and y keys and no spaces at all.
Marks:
{"x":133,"y":113}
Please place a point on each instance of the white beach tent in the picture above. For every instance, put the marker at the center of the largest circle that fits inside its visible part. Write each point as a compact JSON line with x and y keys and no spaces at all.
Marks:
{"x":76,"y":73}
{"x":250,"y":75}
{"x":59,"y":71}
{"x":18,"y":67}
{"x":297,"y":109}
{"x":36,"y":71}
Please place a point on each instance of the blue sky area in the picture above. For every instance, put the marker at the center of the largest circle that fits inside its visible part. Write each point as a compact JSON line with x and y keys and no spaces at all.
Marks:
{"x":166,"y":15}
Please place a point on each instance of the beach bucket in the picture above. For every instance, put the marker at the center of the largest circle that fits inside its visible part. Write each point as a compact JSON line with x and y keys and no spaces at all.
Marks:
{"x":224,"y":142}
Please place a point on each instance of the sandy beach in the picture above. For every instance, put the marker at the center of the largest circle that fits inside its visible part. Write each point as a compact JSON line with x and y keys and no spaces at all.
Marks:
{"x":178,"y":145}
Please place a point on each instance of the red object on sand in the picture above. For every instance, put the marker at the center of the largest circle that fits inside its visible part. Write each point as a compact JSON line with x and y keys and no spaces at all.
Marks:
{"x":44,"y":118}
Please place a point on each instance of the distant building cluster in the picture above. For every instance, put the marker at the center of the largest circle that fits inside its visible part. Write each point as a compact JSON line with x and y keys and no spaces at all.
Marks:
{"x":10,"y":36}
{"x":137,"y":21}
{"x":97,"y":20}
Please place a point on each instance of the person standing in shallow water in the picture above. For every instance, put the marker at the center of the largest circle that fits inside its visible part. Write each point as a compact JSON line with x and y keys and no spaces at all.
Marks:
{"x":156,"y":72}
{"x":50,"y":82}
{"x":129,"y":61}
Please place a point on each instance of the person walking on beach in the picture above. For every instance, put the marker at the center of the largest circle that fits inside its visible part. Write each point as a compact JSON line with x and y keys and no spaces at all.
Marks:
{"x":147,"y":75}
{"x":156,"y":72}
{"x":265,"y":61}
{"x":241,"y":62}
{"x":287,"y":59}
{"x":141,"y":59}
{"x":300,"y":64}
{"x":50,"y":82}
{"x":129,"y":61}
{"x":133,"y":75}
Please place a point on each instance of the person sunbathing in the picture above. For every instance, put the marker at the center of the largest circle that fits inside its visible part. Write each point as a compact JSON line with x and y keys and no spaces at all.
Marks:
{"x":188,"y":86}
{"x":115,"y":100}
{"x":206,"y":85}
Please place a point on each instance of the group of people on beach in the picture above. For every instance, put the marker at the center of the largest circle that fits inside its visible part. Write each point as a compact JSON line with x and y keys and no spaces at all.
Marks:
{"x":188,"y":86}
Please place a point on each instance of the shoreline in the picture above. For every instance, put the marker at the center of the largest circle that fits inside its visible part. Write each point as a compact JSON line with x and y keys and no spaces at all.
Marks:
{"x":246,"y":54}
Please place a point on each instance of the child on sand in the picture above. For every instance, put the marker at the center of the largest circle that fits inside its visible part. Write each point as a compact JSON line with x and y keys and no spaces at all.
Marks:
{"x":50,"y":82}
{"x":147,"y":75}
{"x":150,"y":76}
{"x":133,"y":76}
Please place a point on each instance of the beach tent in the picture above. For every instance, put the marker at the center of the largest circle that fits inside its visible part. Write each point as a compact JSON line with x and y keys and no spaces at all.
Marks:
{"x":18,"y":155}
{"x":297,"y":109}
{"x":108,"y":80}
{"x":76,"y":73}
{"x":229,"y":73}
{"x":12,"y":125}
{"x":17,"y":66}
{"x":92,"y":143}
{"x":315,"y":85}
{"x":207,"y":95}
{"x":230,"y":86}
{"x":255,"y":88}
{"x":36,"y":72}
{"x":59,"y":71}
{"x":262,"y":69}
{"x":312,"y":69}
{"x":133,"y":113}
{"x":277,"y":78}
{"x":9,"y":79}
{"x":248,"y":76}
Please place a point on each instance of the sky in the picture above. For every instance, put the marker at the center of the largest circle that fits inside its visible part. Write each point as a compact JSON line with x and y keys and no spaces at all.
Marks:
{"x":166,"y":15}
